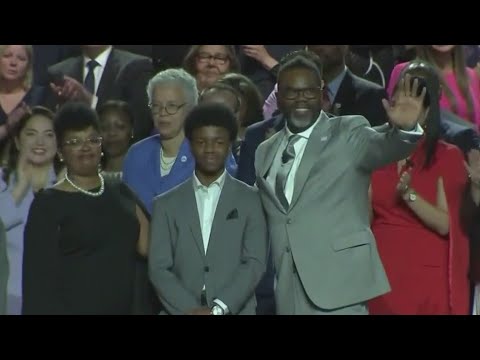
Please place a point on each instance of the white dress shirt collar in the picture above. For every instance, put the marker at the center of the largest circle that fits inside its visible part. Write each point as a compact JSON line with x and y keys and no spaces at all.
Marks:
{"x":101,"y":59}
{"x":218,"y":182}
{"x":306,"y":133}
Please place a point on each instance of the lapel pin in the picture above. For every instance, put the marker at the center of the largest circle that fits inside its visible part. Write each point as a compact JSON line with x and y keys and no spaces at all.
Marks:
{"x":183,"y":159}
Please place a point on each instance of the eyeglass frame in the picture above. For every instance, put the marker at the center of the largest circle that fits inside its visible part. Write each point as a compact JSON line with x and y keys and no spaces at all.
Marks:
{"x":70,"y":143}
{"x":161,"y":108}
{"x":298,"y":91}
{"x":216,"y":59}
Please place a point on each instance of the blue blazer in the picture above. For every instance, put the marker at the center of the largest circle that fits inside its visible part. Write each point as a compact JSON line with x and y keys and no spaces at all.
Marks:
{"x":141,"y":169}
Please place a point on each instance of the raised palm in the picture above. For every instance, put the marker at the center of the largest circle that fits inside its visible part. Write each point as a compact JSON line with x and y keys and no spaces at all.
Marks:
{"x":405,"y":109}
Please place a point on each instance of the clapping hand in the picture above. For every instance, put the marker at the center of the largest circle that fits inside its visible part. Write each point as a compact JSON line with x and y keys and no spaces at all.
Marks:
{"x":71,"y":89}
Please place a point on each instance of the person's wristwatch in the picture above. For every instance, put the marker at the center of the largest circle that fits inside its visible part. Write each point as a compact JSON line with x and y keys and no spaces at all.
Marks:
{"x":217,"y":310}
{"x":410,"y":195}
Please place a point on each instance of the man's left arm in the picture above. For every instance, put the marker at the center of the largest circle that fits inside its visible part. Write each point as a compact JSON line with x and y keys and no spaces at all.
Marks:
{"x":397,"y":139}
{"x":252,"y":264}
{"x":380,"y":146}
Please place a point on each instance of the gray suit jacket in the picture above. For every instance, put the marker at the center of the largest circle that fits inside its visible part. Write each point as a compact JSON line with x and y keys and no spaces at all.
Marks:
{"x":4,"y":269}
{"x":326,"y":231}
{"x":236,"y":255}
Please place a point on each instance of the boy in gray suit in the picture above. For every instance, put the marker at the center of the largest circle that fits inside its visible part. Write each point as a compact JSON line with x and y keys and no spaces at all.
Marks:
{"x":208,"y":243}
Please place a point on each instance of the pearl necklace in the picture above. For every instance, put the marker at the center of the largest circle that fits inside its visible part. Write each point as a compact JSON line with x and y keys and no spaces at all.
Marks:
{"x":164,"y":164}
{"x":86,"y":192}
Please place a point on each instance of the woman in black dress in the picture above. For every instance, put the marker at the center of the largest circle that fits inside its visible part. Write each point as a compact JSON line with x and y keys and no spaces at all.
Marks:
{"x":83,"y":236}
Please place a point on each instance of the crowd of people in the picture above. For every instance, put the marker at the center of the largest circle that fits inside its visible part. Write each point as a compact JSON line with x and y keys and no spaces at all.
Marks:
{"x":240,"y":180}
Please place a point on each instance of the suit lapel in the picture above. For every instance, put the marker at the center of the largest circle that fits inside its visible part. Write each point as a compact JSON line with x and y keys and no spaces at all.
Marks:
{"x":345,"y":96}
{"x":319,"y":138}
{"x":226,"y":203}
{"x":77,"y":69}
{"x":108,"y":78}
{"x":191,"y":213}
{"x":266,"y":163}
{"x":270,"y":151}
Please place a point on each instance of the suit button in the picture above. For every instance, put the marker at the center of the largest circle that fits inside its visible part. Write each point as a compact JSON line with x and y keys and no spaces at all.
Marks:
{"x":287,"y":249}
{"x":206,"y":268}
{"x":289,"y":221}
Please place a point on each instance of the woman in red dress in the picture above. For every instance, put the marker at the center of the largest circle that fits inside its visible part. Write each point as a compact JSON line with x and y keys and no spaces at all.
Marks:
{"x":415,"y":219}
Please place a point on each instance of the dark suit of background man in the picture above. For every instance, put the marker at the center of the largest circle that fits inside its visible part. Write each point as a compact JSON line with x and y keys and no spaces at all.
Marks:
{"x":115,"y":75}
{"x":45,"y":56}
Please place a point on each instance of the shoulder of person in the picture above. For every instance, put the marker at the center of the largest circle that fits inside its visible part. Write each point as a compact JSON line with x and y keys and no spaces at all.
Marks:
{"x":365,"y":85}
{"x":47,"y":197}
{"x":349,"y":122}
{"x":173,"y":192}
{"x":261,"y":126}
{"x":144,"y":145}
{"x":128,"y":58}
{"x":67,"y":63}
{"x":449,"y":151}
{"x":242,"y":187}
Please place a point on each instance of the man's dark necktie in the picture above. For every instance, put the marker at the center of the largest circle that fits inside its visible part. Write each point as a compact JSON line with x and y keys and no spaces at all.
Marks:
{"x":288,"y":157}
{"x":90,"y":78}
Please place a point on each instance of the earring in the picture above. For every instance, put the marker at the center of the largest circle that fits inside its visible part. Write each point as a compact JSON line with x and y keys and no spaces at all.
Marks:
{"x":102,"y":154}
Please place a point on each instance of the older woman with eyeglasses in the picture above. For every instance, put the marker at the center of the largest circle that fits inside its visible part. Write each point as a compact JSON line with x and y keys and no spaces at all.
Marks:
{"x":159,"y":163}
{"x":207,"y":63}
{"x":83,"y":236}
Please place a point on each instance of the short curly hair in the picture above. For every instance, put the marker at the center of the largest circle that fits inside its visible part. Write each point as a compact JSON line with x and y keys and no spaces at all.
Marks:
{"x":74,"y":116}
{"x":211,"y":114}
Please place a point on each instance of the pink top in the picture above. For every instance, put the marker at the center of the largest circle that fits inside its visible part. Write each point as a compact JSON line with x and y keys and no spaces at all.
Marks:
{"x":270,"y":105}
{"x":452,"y":84}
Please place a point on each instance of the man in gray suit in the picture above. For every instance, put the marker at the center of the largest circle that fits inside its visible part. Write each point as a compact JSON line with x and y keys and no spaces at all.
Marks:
{"x":313,"y":178}
{"x":208,"y":235}
{"x":3,"y":269}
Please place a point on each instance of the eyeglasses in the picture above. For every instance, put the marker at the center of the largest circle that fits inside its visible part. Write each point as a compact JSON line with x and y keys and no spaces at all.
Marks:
{"x":78,"y":143}
{"x":219,"y":59}
{"x":170,"y":109}
{"x":308,"y":93}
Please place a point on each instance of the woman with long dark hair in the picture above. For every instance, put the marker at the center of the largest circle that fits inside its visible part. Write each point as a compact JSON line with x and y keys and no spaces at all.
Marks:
{"x":415,"y":217}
